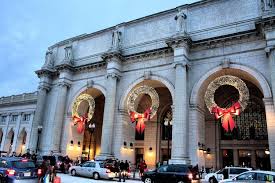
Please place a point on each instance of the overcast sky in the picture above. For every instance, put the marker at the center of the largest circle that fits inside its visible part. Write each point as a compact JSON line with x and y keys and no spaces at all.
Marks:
{"x":29,"y":27}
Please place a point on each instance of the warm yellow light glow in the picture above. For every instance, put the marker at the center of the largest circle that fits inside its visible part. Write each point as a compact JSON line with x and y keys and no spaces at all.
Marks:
{"x":71,"y":148}
{"x":78,"y":148}
{"x":23,"y":146}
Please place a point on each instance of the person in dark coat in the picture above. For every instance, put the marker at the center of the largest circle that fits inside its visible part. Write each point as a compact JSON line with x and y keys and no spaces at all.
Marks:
{"x":121,"y":171}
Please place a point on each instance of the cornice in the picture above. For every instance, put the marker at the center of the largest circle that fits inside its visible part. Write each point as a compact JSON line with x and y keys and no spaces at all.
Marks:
{"x":216,"y":41}
{"x":149,"y":54}
{"x":91,"y":67}
{"x":64,"y":66}
{"x":266,"y":23}
{"x":45,"y":72}
{"x":112,"y":54}
{"x":179,"y":40}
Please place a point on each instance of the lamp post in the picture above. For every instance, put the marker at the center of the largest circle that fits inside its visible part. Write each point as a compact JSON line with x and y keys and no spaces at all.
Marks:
{"x":39,"y":129}
{"x":91,"y":128}
{"x":168,"y":124}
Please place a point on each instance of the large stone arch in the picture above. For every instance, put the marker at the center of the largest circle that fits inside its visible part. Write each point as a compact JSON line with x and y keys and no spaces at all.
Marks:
{"x":197,"y":108}
{"x":82,"y":89}
{"x":253,"y":75}
{"x":164,"y":81}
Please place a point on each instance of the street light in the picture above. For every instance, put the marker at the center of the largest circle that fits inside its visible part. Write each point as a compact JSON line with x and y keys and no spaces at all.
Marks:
{"x":91,"y":128}
{"x":39,"y":129}
{"x":168,"y":124}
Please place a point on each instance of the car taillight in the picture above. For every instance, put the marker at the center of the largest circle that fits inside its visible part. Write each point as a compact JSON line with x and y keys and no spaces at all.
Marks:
{"x":24,"y":160}
{"x":108,"y":171}
{"x":190,"y":176}
{"x":39,"y":172}
{"x":10,"y":172}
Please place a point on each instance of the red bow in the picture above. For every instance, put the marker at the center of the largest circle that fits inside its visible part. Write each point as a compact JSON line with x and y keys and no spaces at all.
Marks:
{"x":226,"y":115}
{"x":140,"y":119}
{"x":80,"y":122}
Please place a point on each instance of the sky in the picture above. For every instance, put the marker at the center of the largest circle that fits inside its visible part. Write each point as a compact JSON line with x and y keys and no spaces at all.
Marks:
{"x":29,"y":27}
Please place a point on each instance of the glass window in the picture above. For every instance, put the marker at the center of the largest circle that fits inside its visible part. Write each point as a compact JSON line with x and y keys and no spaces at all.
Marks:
{"x":26,"y":117}
{"x":3,"y":119}
{"x":265,"y":177}
{"x":3,"y":164}
{"x":23,"y":164}
{"x":237,"y":170}
{"x":92,"y":164}
{"x":85,"y":164}
{"x":247,"y":176}
{"x":163,"y":169}
{"x":14,"y":117}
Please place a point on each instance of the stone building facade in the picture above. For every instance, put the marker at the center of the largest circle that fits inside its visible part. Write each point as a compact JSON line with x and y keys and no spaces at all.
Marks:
{"x":178,"y":52}
{"x":16,"y":118}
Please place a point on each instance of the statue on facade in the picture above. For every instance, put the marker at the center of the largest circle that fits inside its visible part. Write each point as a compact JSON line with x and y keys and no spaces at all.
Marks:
{"x":268,"y":4}
{"x":116,"y":39}
{"x":181,"y":21}
{"x":48,"y":60}
{"x":68,"y":54}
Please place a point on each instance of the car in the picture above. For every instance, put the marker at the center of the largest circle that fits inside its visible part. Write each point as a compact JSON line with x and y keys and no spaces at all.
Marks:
{"x":225,"y":173}
{"x":256,"y":176}
{"x":168,"y":173}
{"x":93,"y":169}
{"x":14,"y":169}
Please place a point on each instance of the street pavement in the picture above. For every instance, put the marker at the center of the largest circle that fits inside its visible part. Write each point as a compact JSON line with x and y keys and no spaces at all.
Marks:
{"x":66,"y":178}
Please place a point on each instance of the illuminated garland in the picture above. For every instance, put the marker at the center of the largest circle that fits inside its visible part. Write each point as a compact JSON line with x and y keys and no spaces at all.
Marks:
{"x":81,"y":120}
{"x":149,"y":113}
{"x":235,"y":109}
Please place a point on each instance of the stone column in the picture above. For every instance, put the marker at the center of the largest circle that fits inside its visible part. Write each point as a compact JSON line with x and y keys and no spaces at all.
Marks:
{"x":180,"y":137}
{"x":113,"y":59}
{"x":16,"y":134}
{"x":271,"y":56}
{"x":59,"y":116}
{"x":270,"y":120}
{"x":253,"y":158}
{"x":236,"y":157}
{"x":108,"y":117}
{"x":5,"y":132}
{"x":39,"y":114}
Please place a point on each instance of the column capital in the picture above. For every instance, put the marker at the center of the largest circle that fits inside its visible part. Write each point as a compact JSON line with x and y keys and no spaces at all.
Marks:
{"x":64,"y":84}
{"x":114,"y":75}
{"x":182,"y":63}
{"x":44,"y":86}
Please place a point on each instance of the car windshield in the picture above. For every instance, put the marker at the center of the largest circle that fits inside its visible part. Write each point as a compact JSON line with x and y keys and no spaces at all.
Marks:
{"x":23,"y":164}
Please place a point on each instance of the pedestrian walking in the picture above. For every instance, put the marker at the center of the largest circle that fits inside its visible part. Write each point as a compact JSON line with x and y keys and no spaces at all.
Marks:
{"x":142,"y":168}
{"x":121,"y":171}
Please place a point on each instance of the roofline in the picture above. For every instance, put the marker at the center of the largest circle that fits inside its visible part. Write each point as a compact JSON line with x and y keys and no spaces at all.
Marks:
{"x":85,"y":35}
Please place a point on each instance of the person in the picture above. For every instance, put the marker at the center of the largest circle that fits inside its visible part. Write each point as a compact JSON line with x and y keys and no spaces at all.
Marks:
{"x":13,"y":154}
{"x":67,"y":163}
{"x":142,"y":167}
{"x":34,"y":157}
{"x":127,"y":168}
{"x":27,"y":155}
{"x":121,"y":171}
{"x":52,"y":166}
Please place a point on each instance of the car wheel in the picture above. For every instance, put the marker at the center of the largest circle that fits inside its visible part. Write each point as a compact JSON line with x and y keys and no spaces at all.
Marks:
{"x":73,"y":172}
{"x":96,"y":176}
{"x":148,"y":180}
{"x":213,"y":180}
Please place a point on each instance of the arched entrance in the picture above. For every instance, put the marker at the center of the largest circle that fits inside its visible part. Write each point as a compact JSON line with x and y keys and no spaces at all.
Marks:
{"x":21,"y":142}
{"x":9,"y":141}
{"x":86,"y":144}
{"x":243,"y":146}
{"x":149,"y":145}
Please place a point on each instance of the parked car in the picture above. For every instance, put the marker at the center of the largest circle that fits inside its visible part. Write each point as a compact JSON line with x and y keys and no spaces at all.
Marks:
{"x":168,"y":173}
{"x":225,"y":173}
{"x":93,"y":169}
{"x":256,"y":176}
{"x":21,"y":170}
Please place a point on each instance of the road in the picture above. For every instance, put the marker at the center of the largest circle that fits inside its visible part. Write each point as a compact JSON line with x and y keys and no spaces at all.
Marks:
{"x":65,"y":178}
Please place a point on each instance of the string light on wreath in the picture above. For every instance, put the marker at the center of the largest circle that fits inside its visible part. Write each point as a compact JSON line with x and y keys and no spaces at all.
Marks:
{"x":81,"y":120}
{"x":226,"y":114}
{"x":149,"y":113}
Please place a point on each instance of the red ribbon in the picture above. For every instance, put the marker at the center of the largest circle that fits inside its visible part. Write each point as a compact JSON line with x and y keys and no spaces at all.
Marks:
{"x":227,"y":115}
{"x":80,"y":122}
{"x":140,"y":119}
